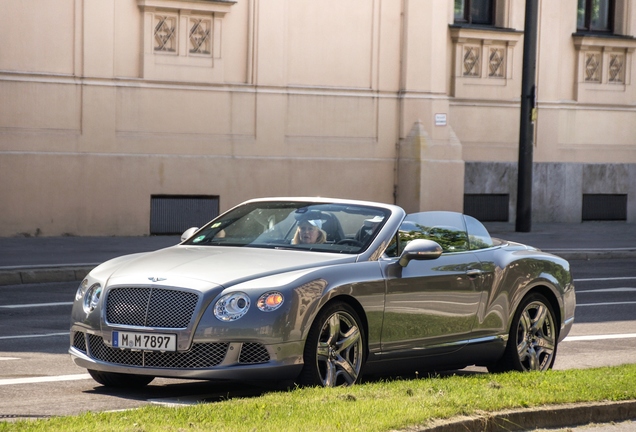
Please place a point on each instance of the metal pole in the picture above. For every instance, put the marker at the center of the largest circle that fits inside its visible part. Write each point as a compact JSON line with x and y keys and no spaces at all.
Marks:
{"x":528,"y":112}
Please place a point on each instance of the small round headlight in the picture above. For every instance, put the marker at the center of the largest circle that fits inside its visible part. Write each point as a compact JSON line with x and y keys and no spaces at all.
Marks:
{"x":81,"y":290}
{"x":270,"y":301}
{"x":232,"y":306}
{"x":91,"y":298}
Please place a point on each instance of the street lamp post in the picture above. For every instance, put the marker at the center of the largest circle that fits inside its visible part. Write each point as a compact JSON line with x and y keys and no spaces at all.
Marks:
{"x":528,"y":113}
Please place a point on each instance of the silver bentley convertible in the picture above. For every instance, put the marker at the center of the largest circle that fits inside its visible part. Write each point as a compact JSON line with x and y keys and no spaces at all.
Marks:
{"x":321,"y":291}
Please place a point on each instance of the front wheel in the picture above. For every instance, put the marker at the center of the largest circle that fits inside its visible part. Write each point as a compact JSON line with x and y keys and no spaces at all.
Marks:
{"x":110,"y":379}
{"x":334,"y":349}
{"x":532,"y":342}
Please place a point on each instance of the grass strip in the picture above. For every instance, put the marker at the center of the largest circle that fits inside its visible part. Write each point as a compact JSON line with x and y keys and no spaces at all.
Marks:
{"x":376,"y":406}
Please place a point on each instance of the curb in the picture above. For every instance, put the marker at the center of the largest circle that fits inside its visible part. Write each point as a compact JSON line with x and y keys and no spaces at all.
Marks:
{"x":44,"y":274}
{"x":551,"y":417}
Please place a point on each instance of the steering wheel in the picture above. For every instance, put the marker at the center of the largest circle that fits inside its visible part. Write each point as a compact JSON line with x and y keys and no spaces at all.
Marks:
{"x":350,"y":242}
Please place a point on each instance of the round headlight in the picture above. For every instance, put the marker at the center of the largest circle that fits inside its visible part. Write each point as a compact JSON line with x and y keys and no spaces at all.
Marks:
{"x":232,"y":306}
{"x":91,"y":298}
{"x":270,"y":301}
{"x":81,"y":290}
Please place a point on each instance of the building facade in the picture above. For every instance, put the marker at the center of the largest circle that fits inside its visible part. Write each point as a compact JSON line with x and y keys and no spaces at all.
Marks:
{"x":137,"y":117}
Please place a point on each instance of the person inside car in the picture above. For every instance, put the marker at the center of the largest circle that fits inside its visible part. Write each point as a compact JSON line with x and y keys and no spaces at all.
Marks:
{"x":309,"y":231}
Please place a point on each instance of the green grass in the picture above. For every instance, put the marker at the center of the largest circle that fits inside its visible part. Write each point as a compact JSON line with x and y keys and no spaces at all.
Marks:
{"x":376,"y":406}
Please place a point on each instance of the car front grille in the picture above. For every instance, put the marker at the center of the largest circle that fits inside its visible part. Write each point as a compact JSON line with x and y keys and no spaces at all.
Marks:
{"x":200,"y":356}
{"x":150,"y":307}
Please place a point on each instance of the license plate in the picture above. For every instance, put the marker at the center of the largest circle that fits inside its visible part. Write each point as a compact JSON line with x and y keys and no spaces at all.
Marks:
{"x":145,"y":341}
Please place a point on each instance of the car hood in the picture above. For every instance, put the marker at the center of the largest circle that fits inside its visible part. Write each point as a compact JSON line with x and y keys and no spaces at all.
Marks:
{"x":224,"y":266}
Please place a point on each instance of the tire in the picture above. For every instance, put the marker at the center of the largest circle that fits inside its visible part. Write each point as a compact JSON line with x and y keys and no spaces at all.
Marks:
{"x":335,"y":348}
{"x":110,"y":379}
{"x":533,"y":338}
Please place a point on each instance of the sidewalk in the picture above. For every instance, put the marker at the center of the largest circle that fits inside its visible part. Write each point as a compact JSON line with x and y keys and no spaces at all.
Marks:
{"x":587,"y":240}
{"x":57,"y":259}
{"x":25,"y":260}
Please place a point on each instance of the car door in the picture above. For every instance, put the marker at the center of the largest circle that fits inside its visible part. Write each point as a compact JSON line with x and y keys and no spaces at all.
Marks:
{"x":431,"y":305}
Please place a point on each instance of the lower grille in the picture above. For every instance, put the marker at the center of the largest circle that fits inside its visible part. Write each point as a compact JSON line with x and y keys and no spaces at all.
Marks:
{"x":252,"y":353}
{"x":200,"y":356}
{"x":79,"y":341}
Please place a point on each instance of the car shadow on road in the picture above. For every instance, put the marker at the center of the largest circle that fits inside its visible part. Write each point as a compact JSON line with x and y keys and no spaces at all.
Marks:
{"x":179,"y":392}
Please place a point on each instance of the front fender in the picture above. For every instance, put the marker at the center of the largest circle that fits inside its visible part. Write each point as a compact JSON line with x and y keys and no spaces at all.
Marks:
{"x":535,"y":271}
{"x":362,"y":286}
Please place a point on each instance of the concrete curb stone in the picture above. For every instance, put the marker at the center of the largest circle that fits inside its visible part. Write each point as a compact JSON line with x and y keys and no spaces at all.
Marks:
{"x":35,"y":275}
{"x":557,"y":416}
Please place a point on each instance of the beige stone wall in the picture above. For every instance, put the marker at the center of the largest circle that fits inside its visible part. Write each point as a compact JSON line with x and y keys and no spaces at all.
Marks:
{"x":292,"y":97}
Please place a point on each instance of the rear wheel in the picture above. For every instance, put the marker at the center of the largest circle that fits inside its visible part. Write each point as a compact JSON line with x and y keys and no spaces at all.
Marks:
{"x":533,"y":337}
{"x":110,"y":379}
{"x":334,"y":349}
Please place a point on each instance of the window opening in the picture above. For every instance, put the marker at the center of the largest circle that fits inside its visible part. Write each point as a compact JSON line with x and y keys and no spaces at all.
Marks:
{"x":595,"y":15}
{"x":480,"y":12}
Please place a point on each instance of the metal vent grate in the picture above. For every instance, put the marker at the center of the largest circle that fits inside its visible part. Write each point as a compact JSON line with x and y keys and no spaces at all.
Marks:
{"x":173,"y":214}
{"x":604,"y":207}
{"x":487,"y":207}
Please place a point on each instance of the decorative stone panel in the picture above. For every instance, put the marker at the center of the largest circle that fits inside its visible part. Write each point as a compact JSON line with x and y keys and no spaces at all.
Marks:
{"x":472,"y":61}
{"x":183,"y":38}
{"x":200,"y":36}
{"x":484,"y":63}
{"x":617,"y":68}
{"x":593,"y":66}
{"x":604,"y":73}
{"x":497,"y":62}
{"x":165,"y":33}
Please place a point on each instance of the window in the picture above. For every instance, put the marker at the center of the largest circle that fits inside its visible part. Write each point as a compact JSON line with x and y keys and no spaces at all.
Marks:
{"x":594,"y":15}
{"x":475,"y":12}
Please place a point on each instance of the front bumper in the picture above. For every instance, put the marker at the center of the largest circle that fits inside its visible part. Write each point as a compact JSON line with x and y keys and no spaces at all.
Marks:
{"x":204,"y":360}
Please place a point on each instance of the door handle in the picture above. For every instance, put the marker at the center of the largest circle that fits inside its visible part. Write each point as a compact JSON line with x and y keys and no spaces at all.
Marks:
{"x":473,"y":273}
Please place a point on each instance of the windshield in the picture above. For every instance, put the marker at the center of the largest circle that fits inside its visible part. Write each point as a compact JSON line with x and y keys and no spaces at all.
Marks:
{"x":331,"y":227}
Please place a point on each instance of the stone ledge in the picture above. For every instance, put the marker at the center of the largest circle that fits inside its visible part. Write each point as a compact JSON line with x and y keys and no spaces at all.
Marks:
{"x":43,"y":275}
{"x":558,"y":416}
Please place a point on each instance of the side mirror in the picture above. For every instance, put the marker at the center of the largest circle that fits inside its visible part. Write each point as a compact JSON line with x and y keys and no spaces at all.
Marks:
{"x":188,"y":233}
{"x":420,"y":250}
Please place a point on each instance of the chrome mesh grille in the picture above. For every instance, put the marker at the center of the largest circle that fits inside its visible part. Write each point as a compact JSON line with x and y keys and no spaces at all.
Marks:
{"x":150,"y":307}
{"x":252,"y":353}
{"x":99,"y":351}
{"x":200,"y":356}
{"x":79,"y":341}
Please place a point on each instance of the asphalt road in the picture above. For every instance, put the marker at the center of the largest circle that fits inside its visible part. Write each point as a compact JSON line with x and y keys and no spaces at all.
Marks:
{"x":34,"y":364}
